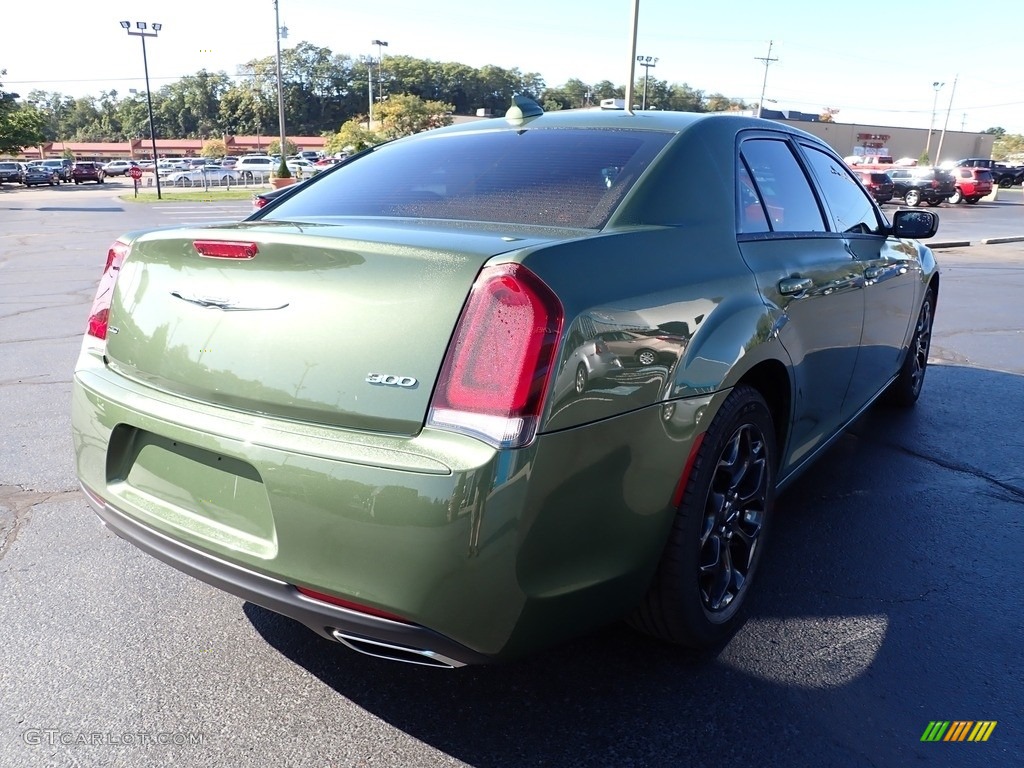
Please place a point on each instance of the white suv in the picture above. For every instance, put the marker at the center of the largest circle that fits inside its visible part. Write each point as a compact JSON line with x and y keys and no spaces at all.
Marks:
{"x":118,"y":167}
{"x":255,"y":167}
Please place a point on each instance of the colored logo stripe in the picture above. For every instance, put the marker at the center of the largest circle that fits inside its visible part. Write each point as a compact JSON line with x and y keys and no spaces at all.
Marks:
{"x":958,"y":730}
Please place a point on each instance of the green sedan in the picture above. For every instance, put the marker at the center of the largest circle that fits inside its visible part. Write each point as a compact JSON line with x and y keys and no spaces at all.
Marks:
{"x":480,"y":390}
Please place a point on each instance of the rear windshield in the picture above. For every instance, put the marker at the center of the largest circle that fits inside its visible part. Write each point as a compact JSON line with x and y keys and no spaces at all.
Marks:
{"x":546,"y":177}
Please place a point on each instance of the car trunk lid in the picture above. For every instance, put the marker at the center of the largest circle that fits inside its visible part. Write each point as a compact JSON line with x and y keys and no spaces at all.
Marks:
{"x":343,"y":325}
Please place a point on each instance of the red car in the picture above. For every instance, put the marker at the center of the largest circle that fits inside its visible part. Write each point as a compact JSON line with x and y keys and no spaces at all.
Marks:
{"x":972,"y":184}
{"x":87,"y":171}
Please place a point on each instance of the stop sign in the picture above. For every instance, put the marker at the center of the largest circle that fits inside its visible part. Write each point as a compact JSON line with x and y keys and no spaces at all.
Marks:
{"x":135,"y":172}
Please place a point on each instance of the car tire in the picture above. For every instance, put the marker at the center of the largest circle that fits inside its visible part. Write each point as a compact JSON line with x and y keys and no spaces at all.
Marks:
{"x":906,"y":388}
{"x":1005,"y":183}
{"x":247,"y":177}
{"x":934,"y":203}
{"x":646,"y":357}
{"x":972,"y":200}
{"x":955,"y":198}
{"x":715,"y":544}
{"x":912,"y":198}
{"x":582,"y":379}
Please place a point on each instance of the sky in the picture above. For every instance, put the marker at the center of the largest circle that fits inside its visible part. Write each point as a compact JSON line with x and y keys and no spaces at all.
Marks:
{"x":887,"y":64}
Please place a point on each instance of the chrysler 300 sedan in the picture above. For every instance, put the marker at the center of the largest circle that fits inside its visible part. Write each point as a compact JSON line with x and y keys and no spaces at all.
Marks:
{"x":361,"y":407}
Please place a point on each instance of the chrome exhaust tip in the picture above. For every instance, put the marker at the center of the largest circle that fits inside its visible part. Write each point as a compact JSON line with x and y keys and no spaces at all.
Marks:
{"x":390,"y":652}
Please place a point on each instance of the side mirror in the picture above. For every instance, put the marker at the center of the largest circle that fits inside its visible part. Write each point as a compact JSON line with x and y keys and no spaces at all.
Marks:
{"x":915,"y":225}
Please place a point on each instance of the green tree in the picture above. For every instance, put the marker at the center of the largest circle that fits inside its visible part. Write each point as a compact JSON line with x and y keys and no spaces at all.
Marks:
{"x":1009,"y":147}
{"x":404,"y":115}
{"x":213,"y":148}
{"x":995,"y":131}
{"x":274,"y":147}
{"x":20,"y":127}
{"x":352,"y":137}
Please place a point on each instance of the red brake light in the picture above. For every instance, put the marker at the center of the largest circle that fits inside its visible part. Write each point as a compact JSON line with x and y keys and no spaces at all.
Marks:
{"x":105,"y":292}
{"x":259,"y":201}
{"x":496,"y":371}
{"x":225,"y":249}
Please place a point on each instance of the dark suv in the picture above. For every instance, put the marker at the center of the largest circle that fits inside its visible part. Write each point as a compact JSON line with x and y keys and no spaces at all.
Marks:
{"x":917,"y":184}
{"x":11,"y":172}
{"x":63,"y":167}
{"x":878,"y":183}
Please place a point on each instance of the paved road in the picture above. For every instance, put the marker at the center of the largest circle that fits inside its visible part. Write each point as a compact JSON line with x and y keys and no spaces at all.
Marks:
{"x":891,"y":593}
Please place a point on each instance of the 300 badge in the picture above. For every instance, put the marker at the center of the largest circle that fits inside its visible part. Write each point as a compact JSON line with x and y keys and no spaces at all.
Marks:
{"x":390,"y":380}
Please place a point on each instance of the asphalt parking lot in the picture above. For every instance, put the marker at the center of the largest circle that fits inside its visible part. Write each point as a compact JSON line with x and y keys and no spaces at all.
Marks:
{"x":890,"y":597}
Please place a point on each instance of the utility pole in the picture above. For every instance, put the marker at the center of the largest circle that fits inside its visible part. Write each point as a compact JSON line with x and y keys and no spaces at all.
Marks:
{"x":767,"y":61}
{"x":952,"y":93}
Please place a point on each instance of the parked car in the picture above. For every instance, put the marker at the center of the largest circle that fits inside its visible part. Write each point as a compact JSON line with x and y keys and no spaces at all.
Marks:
{"x":972,"y":184}
{"x":878,"y":183}
{"x":204,"y":175}
{"x":41,"y":174}
{"x":1003,"y":175}
{"x":119,"y":167}
{"x":255,"y":167}
{"x":262,"y":199}
{"x":922,"y":184}
{"x":343,"y":407}
{"x":11,"y":172}
{"x":62,"y":167}
{"x":87,"y":171}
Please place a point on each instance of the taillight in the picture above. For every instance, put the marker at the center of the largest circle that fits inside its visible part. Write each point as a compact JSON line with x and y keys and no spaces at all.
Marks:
{"x":496,"y":371}
{"x":105,"y":292}
{"x":258,"y":201}
{"x":352,"y":606}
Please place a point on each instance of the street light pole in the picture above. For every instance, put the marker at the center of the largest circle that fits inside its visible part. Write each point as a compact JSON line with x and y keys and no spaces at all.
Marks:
{"x":280,"y":91}
{"x":646,"y":62}
{"x":141,"y":32}
{"x":931,"y":126}
{"x":380,"y":65}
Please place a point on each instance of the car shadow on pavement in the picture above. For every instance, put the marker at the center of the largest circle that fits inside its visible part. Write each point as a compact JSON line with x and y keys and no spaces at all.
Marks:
{"x":873,"y":616}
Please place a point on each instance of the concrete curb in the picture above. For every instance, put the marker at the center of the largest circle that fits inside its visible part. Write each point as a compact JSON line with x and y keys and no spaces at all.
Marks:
{"x":949,"y":244}
{"x":998,"y":240}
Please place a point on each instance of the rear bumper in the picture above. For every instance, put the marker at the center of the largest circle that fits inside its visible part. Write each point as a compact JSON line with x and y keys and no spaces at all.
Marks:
{"x":484,"y":554}
{"x":365,"y":633}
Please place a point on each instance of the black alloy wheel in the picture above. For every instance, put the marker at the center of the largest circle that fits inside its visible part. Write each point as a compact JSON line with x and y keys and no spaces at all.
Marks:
{"x":716,"y":541}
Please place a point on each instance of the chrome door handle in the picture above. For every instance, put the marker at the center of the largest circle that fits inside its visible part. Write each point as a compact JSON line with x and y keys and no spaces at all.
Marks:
{"x":792,"y":285}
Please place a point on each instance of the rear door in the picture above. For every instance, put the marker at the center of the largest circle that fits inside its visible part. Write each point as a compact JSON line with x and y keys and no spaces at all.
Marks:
{"x":806,"y":271}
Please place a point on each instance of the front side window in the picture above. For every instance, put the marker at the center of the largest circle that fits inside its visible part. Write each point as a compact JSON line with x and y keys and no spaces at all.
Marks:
{"x":851,"y":210}
{"x":782,"y":187}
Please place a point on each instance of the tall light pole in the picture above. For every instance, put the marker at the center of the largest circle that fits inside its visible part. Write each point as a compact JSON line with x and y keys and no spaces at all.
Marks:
{"x":646,"y":62}
{"x":380,"y":65}
{"x":140,"y":31}
{"x":280,"y":90}
{"x":931,"y":126}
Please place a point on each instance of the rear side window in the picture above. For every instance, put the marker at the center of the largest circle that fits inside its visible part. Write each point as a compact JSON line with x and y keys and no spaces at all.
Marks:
{"x":851,"y":210}
{"x":546,"y":177}
{"x":781,"y":187}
